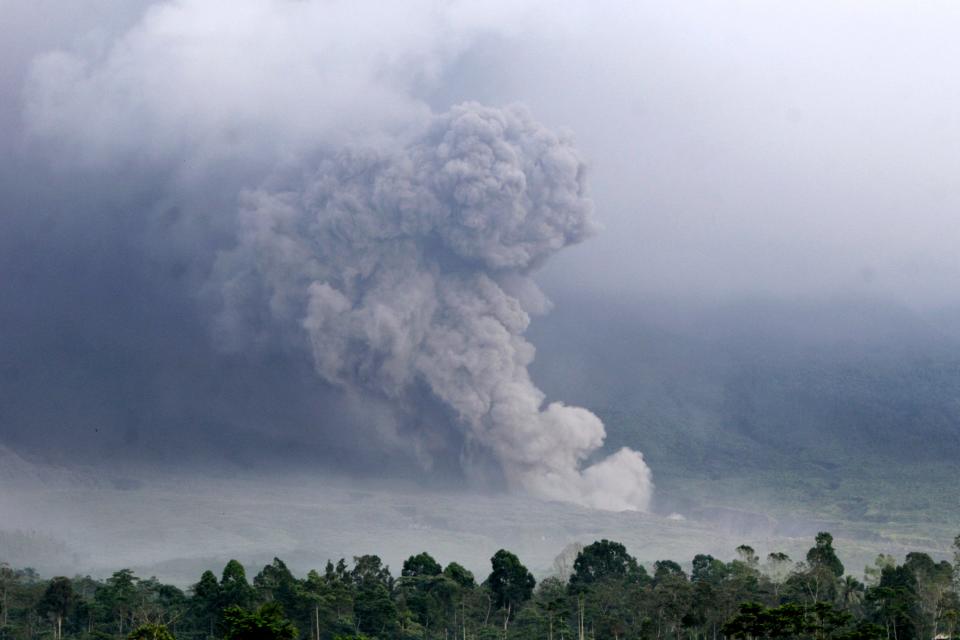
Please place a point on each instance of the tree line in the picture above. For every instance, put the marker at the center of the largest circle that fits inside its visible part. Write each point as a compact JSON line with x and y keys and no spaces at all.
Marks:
{"x":598,"y":591}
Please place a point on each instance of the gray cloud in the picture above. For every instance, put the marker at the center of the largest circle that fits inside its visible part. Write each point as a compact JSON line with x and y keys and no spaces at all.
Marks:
{"x":749,"y":148}
{"x":390,"y":263}
{"x":806,"y":150}
{"x":416,"y":289}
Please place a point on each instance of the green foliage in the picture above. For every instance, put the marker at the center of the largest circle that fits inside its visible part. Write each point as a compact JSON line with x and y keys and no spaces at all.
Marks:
{"x":604,"y":560}
{"x":666,"y":569}
{"x":118,"y":598}
{"x":510,"y":582}
{"x":369,"y":570}
{"x":421,"y":564}
{"x":823,"y":621}
{"x":58,"y":598}
{"x":822,"y":555}
{"x":276,"y":583}
{"x":151,"y":632}
{"x":205,"y":603}
{"x":461,"y":576}
{"x":266,"y":623}
{"x":374,"y":609}
{"x":609,"y":595}
{"x":706,"y":568}
{"x":235,"y":591}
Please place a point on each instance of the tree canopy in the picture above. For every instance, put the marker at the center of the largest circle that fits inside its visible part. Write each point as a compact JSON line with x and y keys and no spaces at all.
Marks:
{"x":608,"y":594}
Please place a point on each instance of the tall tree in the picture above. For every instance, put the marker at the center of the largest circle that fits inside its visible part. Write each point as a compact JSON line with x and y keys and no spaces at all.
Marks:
{"x":57,"y":601}
{"x":895,"y":602}
{"x":205,"y":604}
{"x":747,"y":555}
{"x":8,"y":579}
{"x":777,"y":568}
{"x":275,"y":582}
{"x":510,"y":583}
{"x":118,"y":597}
{"x":822,"y":555}
{"x":551,"y":599}
{"x":933,"y":581}
{"x":671,"y":597}
{"x":266,"y":623}
{"x":604,"y":560}
{"x":369,"y":569}
{"x":420,"y":565}
{"x":235,"y":591}
{"x":374,"y":610}
{"x":663,"y":569}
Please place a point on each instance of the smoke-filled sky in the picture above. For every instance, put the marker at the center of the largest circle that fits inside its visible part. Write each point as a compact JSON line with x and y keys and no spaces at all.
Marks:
{"x":179,"y":284}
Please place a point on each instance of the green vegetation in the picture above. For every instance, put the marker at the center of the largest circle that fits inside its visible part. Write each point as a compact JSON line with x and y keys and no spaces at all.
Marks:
{"x":607,"y":594}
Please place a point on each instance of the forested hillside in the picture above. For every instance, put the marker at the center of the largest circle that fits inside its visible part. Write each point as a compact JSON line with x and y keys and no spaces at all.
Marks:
{"x":597,"y":591}
{"x":847,"y":410}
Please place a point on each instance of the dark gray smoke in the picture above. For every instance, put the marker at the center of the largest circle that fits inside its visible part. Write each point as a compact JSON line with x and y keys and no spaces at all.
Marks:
{"x":409,"y":270}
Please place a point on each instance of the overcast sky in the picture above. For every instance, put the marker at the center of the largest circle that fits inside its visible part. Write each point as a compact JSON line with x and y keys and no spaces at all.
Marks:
{"x":733,"y":148}
{"x":744,"y":147}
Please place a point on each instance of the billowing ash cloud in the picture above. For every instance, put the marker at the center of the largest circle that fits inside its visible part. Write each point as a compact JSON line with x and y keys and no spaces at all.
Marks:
{"x":408,"y":271}
{"x":398,"y":257}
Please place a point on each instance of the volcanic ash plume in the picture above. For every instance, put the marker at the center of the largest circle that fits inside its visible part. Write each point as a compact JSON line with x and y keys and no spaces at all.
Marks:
{"x":409,"y":270}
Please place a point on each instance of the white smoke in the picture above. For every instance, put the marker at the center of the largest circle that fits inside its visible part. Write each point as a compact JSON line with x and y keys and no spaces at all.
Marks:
{"x":394,"y":265}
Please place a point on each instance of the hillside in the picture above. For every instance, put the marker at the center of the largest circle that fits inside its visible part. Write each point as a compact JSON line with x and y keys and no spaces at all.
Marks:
{"x":849,"y":413}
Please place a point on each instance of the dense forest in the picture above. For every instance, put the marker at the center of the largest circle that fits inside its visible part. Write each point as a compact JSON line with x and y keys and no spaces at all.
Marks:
{"x":596,"y":591}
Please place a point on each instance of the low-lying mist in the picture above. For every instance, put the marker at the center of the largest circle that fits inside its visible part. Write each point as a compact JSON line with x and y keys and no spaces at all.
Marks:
{"x":74,"y":521}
